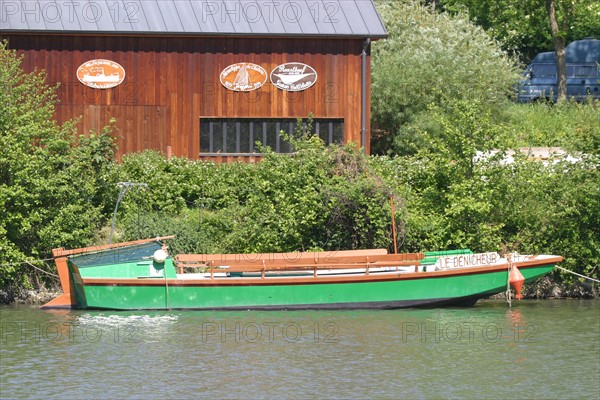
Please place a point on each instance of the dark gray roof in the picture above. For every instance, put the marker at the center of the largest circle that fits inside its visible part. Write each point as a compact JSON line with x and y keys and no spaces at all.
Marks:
{"x":343,"y":18}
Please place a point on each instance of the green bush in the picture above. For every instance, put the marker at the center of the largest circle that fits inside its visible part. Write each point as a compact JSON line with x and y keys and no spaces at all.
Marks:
{"x":430,"y":57}
{"x":554,"y":208}
{"x":317,"y":198}
{"x":528,"y":206}
{"x":51,"y":183}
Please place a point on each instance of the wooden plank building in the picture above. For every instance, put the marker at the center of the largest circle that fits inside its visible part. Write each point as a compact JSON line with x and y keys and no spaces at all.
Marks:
{"x":202,"y":78}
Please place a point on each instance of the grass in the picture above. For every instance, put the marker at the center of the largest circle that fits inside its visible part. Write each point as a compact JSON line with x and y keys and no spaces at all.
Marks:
{"x":571,"y":125}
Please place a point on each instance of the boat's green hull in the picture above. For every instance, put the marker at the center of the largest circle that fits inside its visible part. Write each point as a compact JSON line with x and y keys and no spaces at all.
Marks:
{"x":423,"y":289}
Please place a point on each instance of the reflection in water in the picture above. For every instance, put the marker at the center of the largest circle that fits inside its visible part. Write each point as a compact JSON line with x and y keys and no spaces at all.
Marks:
{"x":488,"y":351}
{"x":515,"y":317}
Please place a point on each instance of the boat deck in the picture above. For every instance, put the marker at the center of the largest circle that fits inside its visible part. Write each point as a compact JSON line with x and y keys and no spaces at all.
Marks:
{"x":300,"y":273}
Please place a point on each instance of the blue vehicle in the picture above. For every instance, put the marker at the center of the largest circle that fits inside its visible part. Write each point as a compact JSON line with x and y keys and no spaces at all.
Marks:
{"x":583,"y":73}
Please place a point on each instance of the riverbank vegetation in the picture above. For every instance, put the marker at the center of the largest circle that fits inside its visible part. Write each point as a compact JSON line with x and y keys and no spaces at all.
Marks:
{"x":441,"y":140}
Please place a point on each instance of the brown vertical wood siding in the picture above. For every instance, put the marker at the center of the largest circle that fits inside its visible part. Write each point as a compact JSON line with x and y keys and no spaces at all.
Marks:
{"x":171,"y":82}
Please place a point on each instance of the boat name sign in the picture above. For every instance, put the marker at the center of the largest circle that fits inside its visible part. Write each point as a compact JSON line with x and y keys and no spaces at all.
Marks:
{"x":293,"y":76}
{"x":101,"y":74}
{"x":243,"y":77}
{"x":467,"y":260}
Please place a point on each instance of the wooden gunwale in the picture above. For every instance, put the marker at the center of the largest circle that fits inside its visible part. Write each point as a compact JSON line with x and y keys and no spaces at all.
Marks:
{"x":61,"y":252}
{"x":303,"y":267}
{"x":388,"y":259}
{"x":292,"y":256}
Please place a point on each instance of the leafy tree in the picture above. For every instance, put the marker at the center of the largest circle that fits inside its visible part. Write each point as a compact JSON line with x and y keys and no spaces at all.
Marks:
{"x":50,"y":182}
{"x":522,"y":26}
{"x":430,"y":57}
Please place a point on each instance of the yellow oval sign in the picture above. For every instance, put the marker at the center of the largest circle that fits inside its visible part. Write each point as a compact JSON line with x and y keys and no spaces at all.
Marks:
{"x":243,"y":77}
{"x":101,"y":74}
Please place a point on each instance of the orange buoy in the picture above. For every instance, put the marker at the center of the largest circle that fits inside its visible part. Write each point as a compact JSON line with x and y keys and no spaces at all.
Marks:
{"x":516,"y":281}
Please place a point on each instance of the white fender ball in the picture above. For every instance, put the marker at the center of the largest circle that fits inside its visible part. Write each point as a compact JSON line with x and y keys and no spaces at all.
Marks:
{"x":160,"y":256}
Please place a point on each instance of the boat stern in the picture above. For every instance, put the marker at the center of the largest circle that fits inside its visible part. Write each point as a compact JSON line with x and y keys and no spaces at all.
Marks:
{"x":114,"y":260}
{"x":67,"y":299}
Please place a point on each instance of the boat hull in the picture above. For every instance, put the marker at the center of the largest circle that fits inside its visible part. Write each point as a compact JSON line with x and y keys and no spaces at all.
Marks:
{"x":382,"y":291}
{"x":140,"y":275}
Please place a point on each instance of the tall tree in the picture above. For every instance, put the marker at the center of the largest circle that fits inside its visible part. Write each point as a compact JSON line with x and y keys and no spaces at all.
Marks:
{"x":558,"y":39}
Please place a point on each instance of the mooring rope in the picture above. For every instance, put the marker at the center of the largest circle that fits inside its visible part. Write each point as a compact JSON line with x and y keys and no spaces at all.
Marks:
{"x":30,"y":263}
{"x":25,"y":262}
{"x":575,"y":273}
{"x":41,"y":270}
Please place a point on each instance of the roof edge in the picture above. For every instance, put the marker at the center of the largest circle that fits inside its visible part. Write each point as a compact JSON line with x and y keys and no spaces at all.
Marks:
{"x":46,"y":32}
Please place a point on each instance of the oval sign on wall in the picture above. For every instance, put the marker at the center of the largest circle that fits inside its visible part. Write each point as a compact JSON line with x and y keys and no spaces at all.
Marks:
{"x":293,"y":76}
{"x":101,"y":74}
{"x":243,"y":77}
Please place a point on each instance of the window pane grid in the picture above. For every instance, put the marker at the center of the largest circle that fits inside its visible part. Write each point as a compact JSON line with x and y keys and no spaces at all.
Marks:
{"x":240,"y":135}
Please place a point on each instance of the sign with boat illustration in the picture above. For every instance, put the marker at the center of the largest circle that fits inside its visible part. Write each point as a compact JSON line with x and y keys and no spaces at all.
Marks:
{"x":293,"y":76}
{"x":101,"y":74}
{"x":243,"y":77}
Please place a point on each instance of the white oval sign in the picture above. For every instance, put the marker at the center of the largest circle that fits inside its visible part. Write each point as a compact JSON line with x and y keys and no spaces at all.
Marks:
{"x":243,"y":77}
{"x":293,"y":76}
{"x":101,"y":74}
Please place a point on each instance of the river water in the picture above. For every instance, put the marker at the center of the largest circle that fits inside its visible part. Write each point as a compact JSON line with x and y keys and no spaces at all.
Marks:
{"x":536,"y":349}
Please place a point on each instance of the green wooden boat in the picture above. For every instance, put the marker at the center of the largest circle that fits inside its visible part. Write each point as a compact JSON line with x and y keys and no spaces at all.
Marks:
{"x":142,"y":275}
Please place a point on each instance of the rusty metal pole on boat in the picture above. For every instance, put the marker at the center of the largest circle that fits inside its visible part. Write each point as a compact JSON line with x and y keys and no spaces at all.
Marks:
{"x":393,"y":224}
